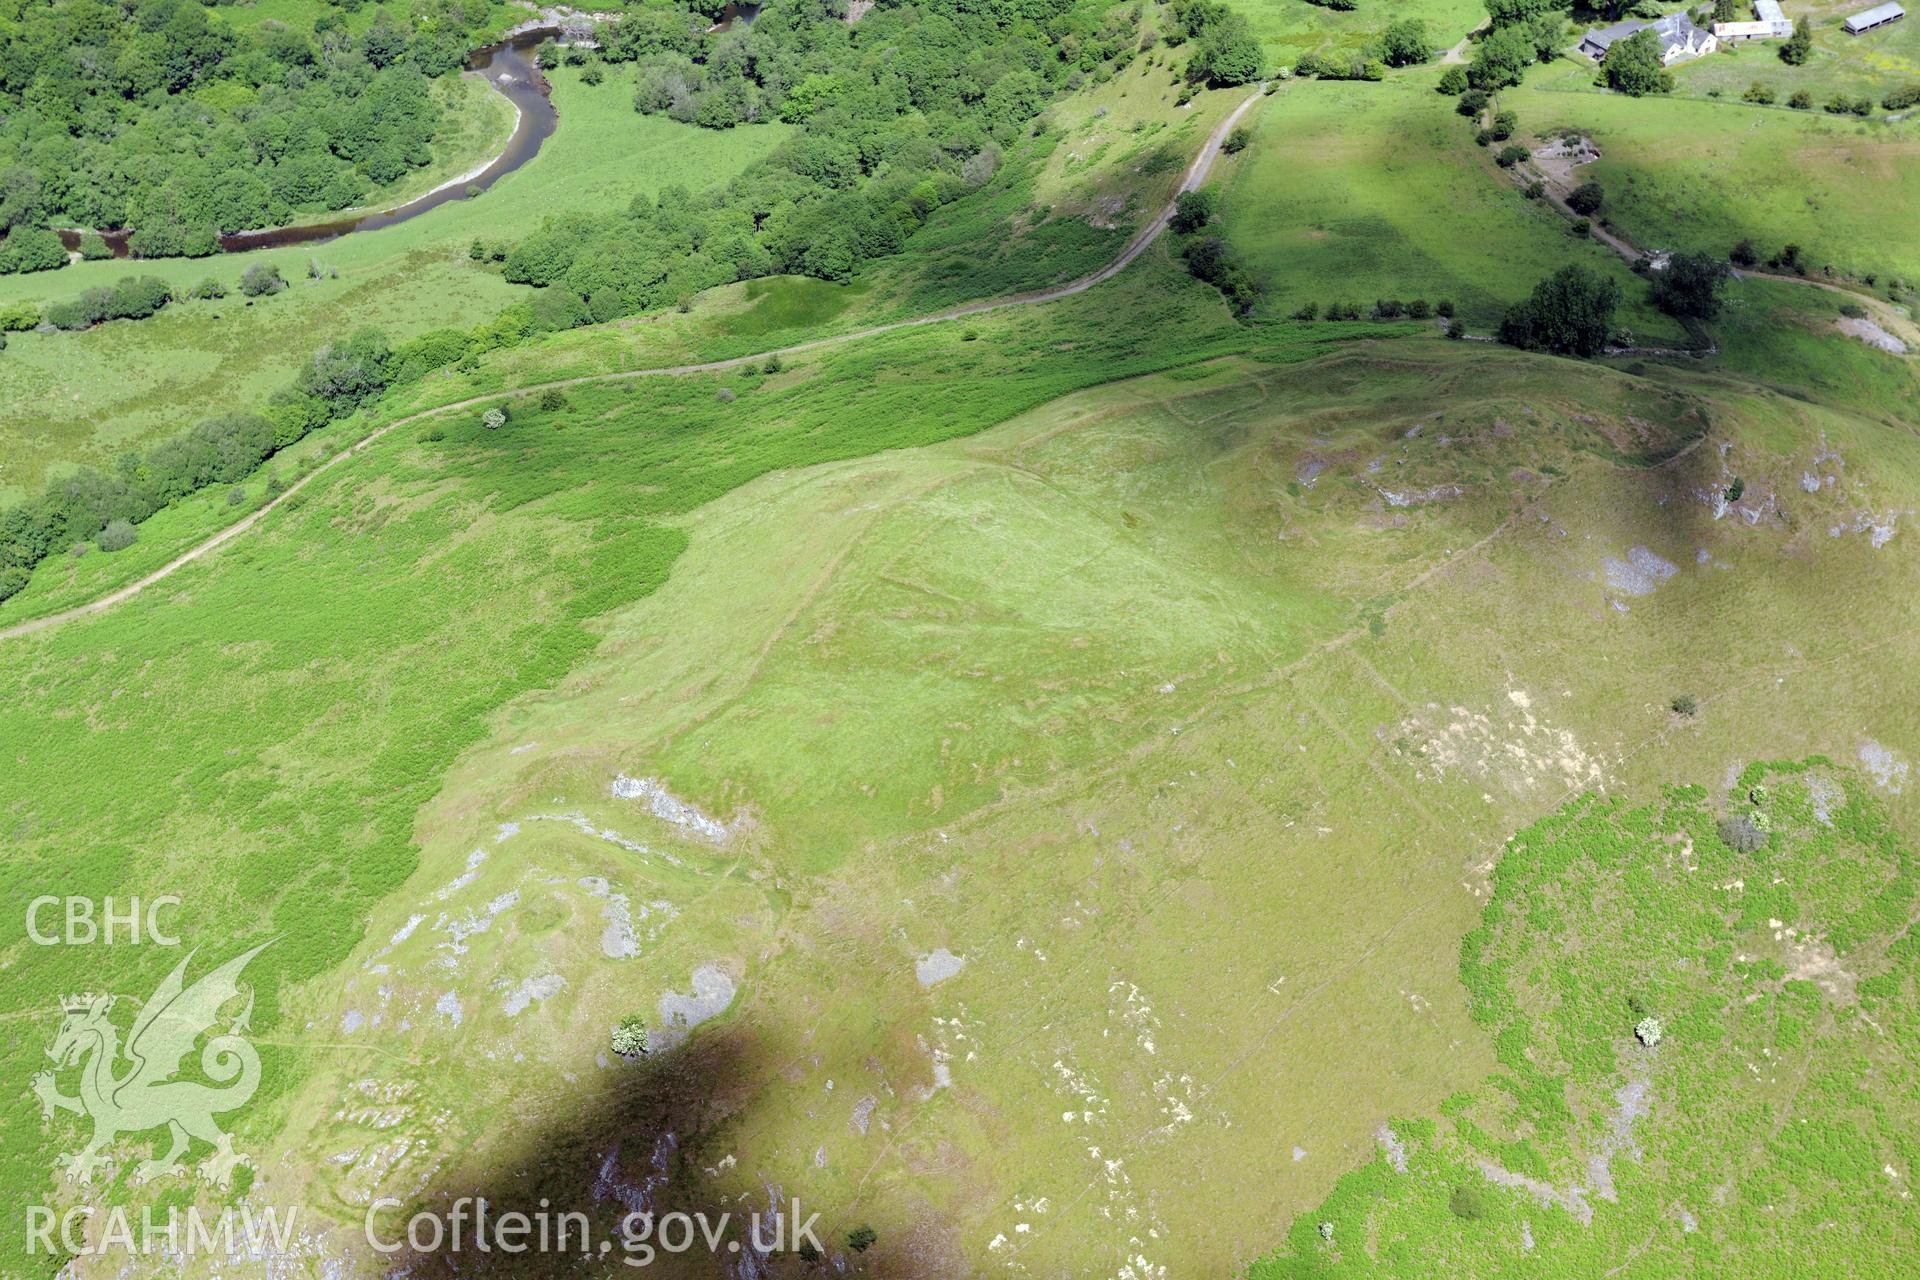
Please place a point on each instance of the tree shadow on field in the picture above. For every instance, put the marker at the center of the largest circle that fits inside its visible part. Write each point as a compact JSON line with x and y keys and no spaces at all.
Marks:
{"x":615,"y":1182}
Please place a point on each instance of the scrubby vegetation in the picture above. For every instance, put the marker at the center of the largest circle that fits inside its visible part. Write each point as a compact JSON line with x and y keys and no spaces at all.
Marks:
{"x":134,"y":298}
{"x":1687,"y":1027}
{"x":221,"y":450}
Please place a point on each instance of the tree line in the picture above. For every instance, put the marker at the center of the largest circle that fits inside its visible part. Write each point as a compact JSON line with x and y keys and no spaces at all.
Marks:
{"x":169,"y":118}
{"x":78,"y":507}
{"x":896,"y":115}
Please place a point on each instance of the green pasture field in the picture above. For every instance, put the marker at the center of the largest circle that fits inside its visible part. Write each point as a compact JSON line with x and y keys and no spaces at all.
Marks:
{"x":1289,"y":28}
{"x":75,"y":397}
{"x":1685,"y":173}
{"x":1356,"y":192}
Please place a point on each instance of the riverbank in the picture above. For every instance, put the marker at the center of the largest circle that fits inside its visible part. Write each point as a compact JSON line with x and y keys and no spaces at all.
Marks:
{"x":509,"y":70}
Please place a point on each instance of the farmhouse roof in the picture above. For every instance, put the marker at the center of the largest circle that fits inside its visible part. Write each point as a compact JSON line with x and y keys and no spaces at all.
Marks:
{"x":1674,"y":28}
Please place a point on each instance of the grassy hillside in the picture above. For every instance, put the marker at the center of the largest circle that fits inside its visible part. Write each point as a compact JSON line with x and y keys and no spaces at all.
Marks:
{"x":68,"y":397}
{"x":308,"y":745}
{"x":1682,"y":173}
{"x":1056,"y":755}
{"x":1314,"y":642}
{"x":1191,"y":713}
{"x":1355,"y":192}
{"x":1766,"y":1131}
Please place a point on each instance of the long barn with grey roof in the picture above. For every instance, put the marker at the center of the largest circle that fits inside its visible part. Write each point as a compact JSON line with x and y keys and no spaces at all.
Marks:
{"x":1879,"y":16}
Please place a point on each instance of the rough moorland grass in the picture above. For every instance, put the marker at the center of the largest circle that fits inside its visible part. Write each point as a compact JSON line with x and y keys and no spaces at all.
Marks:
{"x":68,"y":397}
{"x":470,"y":568}
{"x":1144,"y":704}
{"x":1685,"y":173}
{"x":1747,"y":1140}
{"x":1356,"y":192}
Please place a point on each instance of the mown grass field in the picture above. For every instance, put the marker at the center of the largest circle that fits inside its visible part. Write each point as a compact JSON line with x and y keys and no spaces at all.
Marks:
{"x":67,"y":397}
{"x":1356,"y":192}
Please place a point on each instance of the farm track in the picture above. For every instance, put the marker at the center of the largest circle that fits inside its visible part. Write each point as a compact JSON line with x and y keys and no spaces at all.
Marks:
{"x":1559,"y":183}
{"x":1196,"y":174}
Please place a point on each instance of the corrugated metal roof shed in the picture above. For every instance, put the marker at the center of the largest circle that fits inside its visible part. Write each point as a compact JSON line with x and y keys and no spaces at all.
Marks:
{"x":1875,"y":17}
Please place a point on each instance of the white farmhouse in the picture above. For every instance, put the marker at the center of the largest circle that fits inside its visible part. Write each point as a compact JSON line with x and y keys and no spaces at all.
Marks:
{"x":1679,"y":38}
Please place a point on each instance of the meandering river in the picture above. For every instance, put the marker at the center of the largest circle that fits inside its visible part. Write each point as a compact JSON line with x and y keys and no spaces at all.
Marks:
{"x":509,"y":68}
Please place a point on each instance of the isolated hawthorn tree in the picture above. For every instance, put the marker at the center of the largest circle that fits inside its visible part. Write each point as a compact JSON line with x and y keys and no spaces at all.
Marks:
{"x":1193,"y":210}
{"x":1570,"y":313}
{"x":1690,"y":286}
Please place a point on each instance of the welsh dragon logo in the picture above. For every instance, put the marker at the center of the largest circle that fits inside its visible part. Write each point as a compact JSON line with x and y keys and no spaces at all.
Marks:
{"x":133,"y":1089}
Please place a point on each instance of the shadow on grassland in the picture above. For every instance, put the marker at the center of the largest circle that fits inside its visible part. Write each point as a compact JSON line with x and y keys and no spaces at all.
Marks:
{"x":639,"y":1140}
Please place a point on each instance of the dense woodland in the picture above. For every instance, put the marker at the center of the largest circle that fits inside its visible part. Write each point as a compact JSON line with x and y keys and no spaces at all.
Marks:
{"x":182,"y":120}
{"x":907,"y":109}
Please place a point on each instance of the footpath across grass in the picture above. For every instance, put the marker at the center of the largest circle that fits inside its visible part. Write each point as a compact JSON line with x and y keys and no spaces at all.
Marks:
{"x":1696,"y":173}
